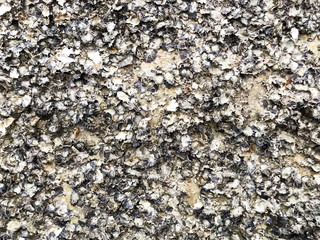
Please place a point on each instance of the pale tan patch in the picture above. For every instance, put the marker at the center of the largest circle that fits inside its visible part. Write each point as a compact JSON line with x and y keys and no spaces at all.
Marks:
{"x":164,"y":60}
{"x":45,"y":147}
{"x":249,"y":155}
{"x":74,"y":220}
{"x":251,"y":99}
{"x":314,"y":44}
{"x":297,"y":159}
{"x":67,"y":190}
{"x":78,"y":212}
{"x":193,"y":192}
{"x":34,"y":121}
{"x":256,"y":94}
{"x":299,"y":162}
{"x":156,"y":102}
{"x":156,"y":117}
{"x":5,"y":124}
{"x":113,"y":51}
{"x":162,"y":97}
{"x":50,"y":167}
{"x":62,"y":17}
{"x":86,"y":136}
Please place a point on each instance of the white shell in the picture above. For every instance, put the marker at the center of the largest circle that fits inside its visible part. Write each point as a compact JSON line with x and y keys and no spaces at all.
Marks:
{"x":294,"y":33}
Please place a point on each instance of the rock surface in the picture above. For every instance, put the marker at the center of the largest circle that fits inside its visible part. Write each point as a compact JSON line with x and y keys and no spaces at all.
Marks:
{"x":163,"y":119}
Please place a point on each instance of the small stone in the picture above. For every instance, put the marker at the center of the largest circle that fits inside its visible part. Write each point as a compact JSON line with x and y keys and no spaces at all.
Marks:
{"x":14,"y":225}
{"x":4,"y":7}
{"x":198,"y":205}
{"x":209,"y":186}
{"x":123,"y":96}
{"x":87,"y":38}
{"x":63,"y":56}
{"x":185,"y":141}
{"x":172,"y":106}
{"x":121,"y":136}
{"x":95,"y":57}
{"x":110,"y":27}
{"x":236,"y":212}
{"x":61,"y":2}
{"x":286,"y":172}
{"x":133,"y":21}
{"x":248,"y":131}
{"x":317,"y":179}
{"x":294,"y":33}
{"x":26,"y":100}
{"x":14,"y":73}
{"x":126,"y":62}
{"x":216,"y":144}
{"x":261,"y":206}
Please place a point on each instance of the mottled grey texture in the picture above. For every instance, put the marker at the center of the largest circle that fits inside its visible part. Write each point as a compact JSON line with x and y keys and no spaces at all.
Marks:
{"x":158,"y":119}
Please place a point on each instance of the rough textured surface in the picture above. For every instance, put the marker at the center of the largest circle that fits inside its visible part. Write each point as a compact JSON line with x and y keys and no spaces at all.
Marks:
{"x":162,"y":119}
